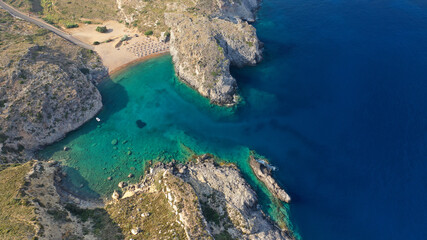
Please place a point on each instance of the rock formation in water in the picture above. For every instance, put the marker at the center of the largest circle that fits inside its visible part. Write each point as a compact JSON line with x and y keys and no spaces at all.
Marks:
{"x":263,"y":172}
{"x":46,"y":88}
{"x":206,"y":38}
{"x":140,"y":124}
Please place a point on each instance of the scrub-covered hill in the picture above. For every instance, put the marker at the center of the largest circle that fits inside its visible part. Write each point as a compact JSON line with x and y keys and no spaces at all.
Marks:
{"x":46,"y":87}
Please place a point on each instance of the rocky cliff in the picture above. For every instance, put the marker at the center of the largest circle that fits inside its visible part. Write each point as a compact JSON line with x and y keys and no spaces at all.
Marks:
{"x":207,"y":37}
{"x":203,"y":49}
{"x":210,"y":201}
{"x":46,"y":87}
{"x":57,"y":214}
{"x":201,"y":199}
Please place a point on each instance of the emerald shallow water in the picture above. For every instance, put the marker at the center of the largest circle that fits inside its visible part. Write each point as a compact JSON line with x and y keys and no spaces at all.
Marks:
{"x":178,"y":124}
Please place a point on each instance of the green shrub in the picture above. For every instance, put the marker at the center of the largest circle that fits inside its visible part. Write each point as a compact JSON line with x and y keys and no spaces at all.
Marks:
{"x":48,"y":20}
{"x":87,"y":22}
{"x":58,"y":215}
{"x":214,"y":74}
{"x":124,"y":38}
{"x":41,"y":32}
{"x":3,"y":137}
{"x":2,"y":104}
{"x":148,"y":33}
{"x":84,"y":70}
{"x":96,"y":43}
{"x":71,"y":25}
{"x":224,"y":235}
{"x":101,"y":29}
{"x":210,"y":214}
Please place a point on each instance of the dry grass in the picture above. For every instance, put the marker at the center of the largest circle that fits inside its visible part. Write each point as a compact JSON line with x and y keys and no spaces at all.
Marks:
{"x":160,"y":224}
{"x":24,"y":5}
{"x":66,"y":11}
{"x":16,"y":36}
{"x":17,"y":217}
{"x":149,"y":15}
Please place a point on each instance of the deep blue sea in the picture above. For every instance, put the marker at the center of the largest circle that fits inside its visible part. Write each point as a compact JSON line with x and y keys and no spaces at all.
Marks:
{"x":339,"y":105}
{"x":349,"y":127}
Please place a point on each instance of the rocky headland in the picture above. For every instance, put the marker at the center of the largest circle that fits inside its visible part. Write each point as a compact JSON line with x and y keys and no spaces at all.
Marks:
{"x":208,"y":201}
{"x":206,"y":38}
{"x":201,"y":199}
{"x":46,"y":87}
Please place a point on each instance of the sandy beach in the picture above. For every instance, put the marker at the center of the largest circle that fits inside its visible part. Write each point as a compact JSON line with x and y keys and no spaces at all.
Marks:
{"x":119,"y":69}
{"x":117,"y":54}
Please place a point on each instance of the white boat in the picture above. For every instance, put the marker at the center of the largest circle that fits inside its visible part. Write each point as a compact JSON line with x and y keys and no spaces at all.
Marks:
{"x":98,"y":119}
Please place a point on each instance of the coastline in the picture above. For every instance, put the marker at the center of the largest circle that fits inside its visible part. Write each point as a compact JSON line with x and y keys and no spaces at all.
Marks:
{"x":114,"y":72}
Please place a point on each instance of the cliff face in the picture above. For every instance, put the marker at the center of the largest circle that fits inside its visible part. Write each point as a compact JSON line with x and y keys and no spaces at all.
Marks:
{"x":205,"y":43}
{"x":46,"y":88}
{"x":223,"y":190}
{"x":242,"y":9}
{"x":203,"y":50}
{"x":59,"y":215}
{"x":206,"y":38}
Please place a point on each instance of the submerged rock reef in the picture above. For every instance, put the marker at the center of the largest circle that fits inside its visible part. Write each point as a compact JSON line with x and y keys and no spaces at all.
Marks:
{"x":46,"y":88}
{"x":206,"y":38}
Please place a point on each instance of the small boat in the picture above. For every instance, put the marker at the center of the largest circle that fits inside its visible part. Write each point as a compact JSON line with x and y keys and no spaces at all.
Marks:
{"x":98,"y":119}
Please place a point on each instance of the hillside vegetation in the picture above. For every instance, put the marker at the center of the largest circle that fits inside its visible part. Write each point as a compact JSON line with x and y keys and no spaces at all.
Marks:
{"x":46,"y":87}
{"x":69,"y":13}
{"x":17,"y":216}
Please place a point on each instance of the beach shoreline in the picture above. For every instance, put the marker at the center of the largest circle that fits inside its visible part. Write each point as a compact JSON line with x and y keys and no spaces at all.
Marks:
{"x":116,"y":71}
{"x":120,"y":46}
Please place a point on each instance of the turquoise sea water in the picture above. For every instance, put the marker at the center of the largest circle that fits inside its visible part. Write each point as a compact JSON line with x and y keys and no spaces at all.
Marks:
{"x":338,"y":105}
{"x":178,"y":123}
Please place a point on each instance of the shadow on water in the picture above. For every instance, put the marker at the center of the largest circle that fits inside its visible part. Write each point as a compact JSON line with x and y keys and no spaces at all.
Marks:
{"x":269,"y":92}
{"x":111,"y":105}
{"x":76,"y":185}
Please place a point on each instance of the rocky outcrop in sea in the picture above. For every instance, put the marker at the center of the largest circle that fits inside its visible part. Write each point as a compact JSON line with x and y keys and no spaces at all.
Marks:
{"x":262,"y":171}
